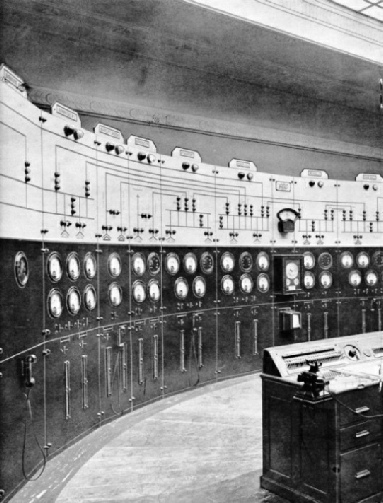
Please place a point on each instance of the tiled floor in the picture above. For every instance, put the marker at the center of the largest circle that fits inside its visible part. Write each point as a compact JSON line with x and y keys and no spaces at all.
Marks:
{"x":202,"y":446}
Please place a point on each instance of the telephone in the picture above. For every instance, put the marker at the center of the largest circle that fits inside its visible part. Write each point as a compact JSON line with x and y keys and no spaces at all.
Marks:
{"x":28,"y":362}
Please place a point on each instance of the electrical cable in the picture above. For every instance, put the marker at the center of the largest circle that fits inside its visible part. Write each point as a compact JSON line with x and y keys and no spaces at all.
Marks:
{"x":30,"y":414}
{"x":360,"y":414}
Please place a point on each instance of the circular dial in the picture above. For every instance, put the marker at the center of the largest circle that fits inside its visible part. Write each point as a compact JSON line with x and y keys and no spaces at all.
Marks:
{"x":90,"y":265}
{"x":355,"y":278}
{"x":207,"y":263}
{"x":55,"y":270}
{"x":371,"y":278}
{"x":21,"y":269}
{"x":172,"y":263}
{"x":139,"y":293}
{"x":154,"y":290}
{"x":138,"y":264}
{"x":363,"y":259}
{"x":55,"y":303}
{"x":263,"y":283}
{"x":227,"y":262}
{"x":309,"y":279}
{"x":181,"y":288}
{"x":227,"y":285}
{"x":73,"y":266}
{"x":199,"y":286}
{"x":346,"y":259}
{"x":73,"y":300}
{"x":154,"y":263}
{"x":190,"y":263}
{"x":325,"y":260}
{"x":245,"y":262}
{"x":308,"y":260}
{"x":114,"y":265}
{"x":292,"y":270}
{"x":325,"y":279}
{"x":263,"y":261}
{"x":377,"y":259}
{"x":246,"y":283}
{"x":90,"y":298}
{"x":115,"y":294}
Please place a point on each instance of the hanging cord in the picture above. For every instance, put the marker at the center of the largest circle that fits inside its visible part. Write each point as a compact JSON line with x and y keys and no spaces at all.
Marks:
{"x":30,"y":415}
{"x":117,"y":371}
{"x":193,"y":351}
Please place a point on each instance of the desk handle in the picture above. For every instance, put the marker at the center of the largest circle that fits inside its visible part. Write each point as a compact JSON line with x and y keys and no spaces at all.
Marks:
{"x":364,"y":408}
{"x":362,"y":474}
{"x":362,"y":433}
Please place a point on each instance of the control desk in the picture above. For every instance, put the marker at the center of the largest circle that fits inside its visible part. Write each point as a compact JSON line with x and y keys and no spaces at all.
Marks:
{"x":327,"y":447}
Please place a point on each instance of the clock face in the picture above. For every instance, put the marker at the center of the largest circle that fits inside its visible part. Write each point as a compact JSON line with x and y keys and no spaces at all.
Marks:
{"x":292,"y":270}
{"x":207,"y":263}
{"x":154,"y":263}
{"x":245,"y":262}
{"x":325,"y":260}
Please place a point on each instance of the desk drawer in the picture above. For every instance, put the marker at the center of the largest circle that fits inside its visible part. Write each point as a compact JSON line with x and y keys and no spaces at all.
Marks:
{"x":360,"y":434}
{"x":365,"y":401}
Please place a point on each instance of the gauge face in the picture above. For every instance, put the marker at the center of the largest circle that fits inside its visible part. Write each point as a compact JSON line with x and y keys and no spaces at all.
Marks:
{"x":363,"y":259}
{"x":308,"y":260}
{"x":139,"y":293}
{"x":154,"y":263}
{"x":309,"y":279}
{"x":246,"y":283}
{"x":263,"y":283}
{"x":154,"y":290}
{"x":371,"y":278}
{"x":346,"y":259}
{"x":21,"y":269}
{"x":355,"y":278}
{"x":115,"y":294}
{"x":114,"y":265}
{"x":227,"y":262}
{"x":292,"y":270}
{"x":245,"y":262}
{"x":325,"y":260}
{"x":325,"y":279}
{"x":90,"y":298}
{"x":90,"y":265}
{"x":263,"y":261}
{"x":377,"y":259}
{"x":190,"y":263}
{"x":55,"y":304}
{"x":73,"y":266}
{"x":181,"y":288}
{"x":138,"y":264}
{"x":172,"y":263}
{"x":227,"y":285}
{"x":55,"y":270}
{"x":73,"y":300}
{"x":207,"y":263}
{"x":199,"y":287}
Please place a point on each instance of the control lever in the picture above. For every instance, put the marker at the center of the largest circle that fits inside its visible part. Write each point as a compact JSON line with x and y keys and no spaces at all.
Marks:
{"x":312,"y":384}
{"x":28,"y":374}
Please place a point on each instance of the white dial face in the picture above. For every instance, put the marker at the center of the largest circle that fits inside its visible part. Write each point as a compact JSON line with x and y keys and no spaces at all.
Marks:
{"x":199,"y":287}
{"x":90,"y":298}
{"x":73,"y":300}
{"x":263,"y":261}
{"x":309,"y":279}
{"x":55,"y":304}
{"x":227,"y":262}
{"x":154,"y":290}
{"x":308,"y":260}
{"x":114,"y":265}
{"x":292,"y":270}
{"x":90,"y":265}
{"x":355,"y":278}
{"x":55,"y":270}
{"x":139,"y":293}
{"x":73,"y":266}
{"x":346,"y":259}
{"x":363,"y":259}
{"x":172,"y":263}
{"x":325,"y":279}
{"x":263,"y":283}
{"x":138,"y":263}
{"x":190,"y":263}
{"x":371,"y":278}
{"x":181,"y":288}
{"x":227,"y":285}
{"x":115,"y":294}
{"x":246,"y":283}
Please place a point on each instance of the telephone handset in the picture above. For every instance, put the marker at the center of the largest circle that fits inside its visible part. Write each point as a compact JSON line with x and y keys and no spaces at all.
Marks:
{"x":28,"y":374}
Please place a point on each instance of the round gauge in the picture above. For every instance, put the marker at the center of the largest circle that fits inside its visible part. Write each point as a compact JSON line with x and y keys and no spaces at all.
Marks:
{"x":181,"y":288}
{"x":207,"y":263}
{"x":308,"y":260}
{"x":154,"y":263}
{"x":245,"y":262}
{"x":199,"y":286}
{"x":21,"y":269}
{"x":114,"y":265}
{"x":246,"y":283}
{"x":371,"y":278}
{"x":90,"y":298}
{"x":377,"y":258}
{"x":138,"y":290}
{"x":325,"y":279}
{"x":355,"y":278}
{"x":55,"y":303}
{"x":309,"y":279}
{"x":90,"y":265}
{"x":73,"y":266}
{"x":227,"y":262}
{"x":263,"y":283}
{"x":115,"y":294}
{"x":325,"y":260}
{"x":227,"y":285}
{"x":138,"y":264}
{"x":154,"y":290}
{"x":363,"y":259}
{"x":55,"y":270}
{"x":172,"y":263}
{"x":346,"y":259}
{"x":73,"y":300}
{"x":292,"y":270}
{"x":190,"y":263}
{"x":263,"y":261}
